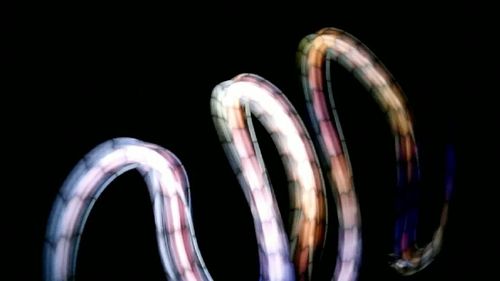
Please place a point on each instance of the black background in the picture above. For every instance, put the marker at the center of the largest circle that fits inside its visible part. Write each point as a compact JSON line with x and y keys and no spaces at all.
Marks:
{"x":90,"y":73}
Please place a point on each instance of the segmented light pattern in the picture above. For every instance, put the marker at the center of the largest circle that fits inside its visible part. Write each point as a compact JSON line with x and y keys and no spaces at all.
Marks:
{"x":233,"y":102}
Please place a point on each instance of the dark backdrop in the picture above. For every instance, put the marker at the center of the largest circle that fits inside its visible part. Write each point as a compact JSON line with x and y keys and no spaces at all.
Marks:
{"x":93,"y":72}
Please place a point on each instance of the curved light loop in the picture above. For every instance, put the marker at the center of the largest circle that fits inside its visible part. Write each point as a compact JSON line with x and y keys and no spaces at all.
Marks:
{"x":282,"y":256}
{"x":168,"y":188}
{"x":315,"y":52}
{"x":232,"y":103}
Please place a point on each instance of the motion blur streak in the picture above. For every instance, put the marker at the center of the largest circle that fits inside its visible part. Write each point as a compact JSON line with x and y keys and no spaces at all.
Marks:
{"x":315,"y":52}
{"x":232,"y":103}
{"x":168,"y":188}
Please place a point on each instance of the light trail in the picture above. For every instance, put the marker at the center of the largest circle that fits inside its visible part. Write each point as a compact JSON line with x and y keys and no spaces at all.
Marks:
{"x":315,"y":53}
{"x":282,"y":256}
